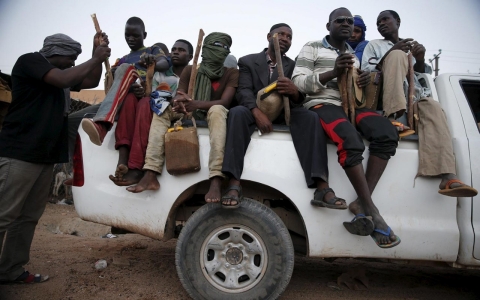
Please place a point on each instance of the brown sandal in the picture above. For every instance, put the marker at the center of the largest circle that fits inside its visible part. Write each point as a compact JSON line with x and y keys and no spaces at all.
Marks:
{"x":461,"y":191}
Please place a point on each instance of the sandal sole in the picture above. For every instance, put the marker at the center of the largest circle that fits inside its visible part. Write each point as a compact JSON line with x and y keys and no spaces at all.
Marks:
{"x":320,"y":203}
{"x":459,"y":192}
{"x":362,"y":226}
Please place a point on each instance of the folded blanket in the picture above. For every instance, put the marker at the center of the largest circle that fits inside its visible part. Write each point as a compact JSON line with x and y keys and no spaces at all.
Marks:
{"x":159,"y":101}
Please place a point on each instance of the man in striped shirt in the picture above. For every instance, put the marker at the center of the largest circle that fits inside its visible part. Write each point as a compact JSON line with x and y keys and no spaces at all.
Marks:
{"x":318,"y":66}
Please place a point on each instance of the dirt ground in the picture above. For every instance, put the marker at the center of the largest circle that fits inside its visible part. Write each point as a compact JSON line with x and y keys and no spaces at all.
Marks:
{"x":67,"y":248}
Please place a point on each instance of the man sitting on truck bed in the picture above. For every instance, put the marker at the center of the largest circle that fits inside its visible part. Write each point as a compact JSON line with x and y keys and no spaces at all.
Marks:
{"x":214,"y":90}
{"x":98,"y":127}
{"x":318,"y":66}
{"x":256,"y":72}
{"x":435,"y":148}
{"x":132,"y":149}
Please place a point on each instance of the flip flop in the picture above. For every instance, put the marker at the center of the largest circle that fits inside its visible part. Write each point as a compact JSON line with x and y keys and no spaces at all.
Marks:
{"x":461,"y":191}
{"x":386,"y":233}
{"x":226,"y":197}
{"x":318,"y":200}
{"x":26,"y":277}
{"x":360,"y":225}
{"x":403,"y":130}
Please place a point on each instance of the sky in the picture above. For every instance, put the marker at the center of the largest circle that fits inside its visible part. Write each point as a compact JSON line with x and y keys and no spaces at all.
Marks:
{"x":450,"y":25}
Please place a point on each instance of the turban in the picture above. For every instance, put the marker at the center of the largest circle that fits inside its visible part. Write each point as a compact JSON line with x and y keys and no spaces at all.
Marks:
{"x":211,"y":67}
{"x":358,"y":21}
{"x":60,"y":44}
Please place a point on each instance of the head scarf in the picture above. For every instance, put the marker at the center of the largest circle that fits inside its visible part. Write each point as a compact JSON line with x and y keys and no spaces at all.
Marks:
{"x":211,"y":67}
{"x":358,"y":21}
{"x":60,"y":44}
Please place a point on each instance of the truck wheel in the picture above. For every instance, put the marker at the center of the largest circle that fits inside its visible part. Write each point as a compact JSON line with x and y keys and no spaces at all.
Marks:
{"x":243,"y":253}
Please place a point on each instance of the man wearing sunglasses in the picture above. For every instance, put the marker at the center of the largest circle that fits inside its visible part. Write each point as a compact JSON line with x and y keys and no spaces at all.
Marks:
{"x":256,"y":72}
{"x":435,"y":146}
{"x":318,"y":66}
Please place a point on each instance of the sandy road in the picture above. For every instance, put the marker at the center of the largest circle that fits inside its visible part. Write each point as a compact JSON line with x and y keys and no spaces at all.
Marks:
{"x":142,"y":268}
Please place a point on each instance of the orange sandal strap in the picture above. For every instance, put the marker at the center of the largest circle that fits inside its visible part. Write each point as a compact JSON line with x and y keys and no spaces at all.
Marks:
{"x":451,"y":181}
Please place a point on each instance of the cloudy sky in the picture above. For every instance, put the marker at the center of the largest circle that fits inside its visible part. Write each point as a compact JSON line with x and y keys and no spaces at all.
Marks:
{"x":438,"y":24}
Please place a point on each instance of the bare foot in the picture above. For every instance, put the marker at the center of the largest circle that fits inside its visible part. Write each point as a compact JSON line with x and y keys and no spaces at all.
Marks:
{"x":149,"y":181}
{"x":356,"y":208}
{"x":132,"y":176}
{"x":215,"y":192}
{"x":121,"y":170}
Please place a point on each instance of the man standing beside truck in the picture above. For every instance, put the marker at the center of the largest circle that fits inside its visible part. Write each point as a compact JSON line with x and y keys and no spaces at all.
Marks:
{"x":34,"y":138}
{"x":435,"y":148}
{"x":319,"y":64}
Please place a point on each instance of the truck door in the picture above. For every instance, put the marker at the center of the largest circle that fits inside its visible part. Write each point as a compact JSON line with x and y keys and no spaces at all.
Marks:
{"x":467,"y":92}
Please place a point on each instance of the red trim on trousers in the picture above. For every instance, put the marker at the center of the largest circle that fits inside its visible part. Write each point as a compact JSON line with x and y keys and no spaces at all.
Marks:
{"x":330,"y":131}
{"x":362,"y":115}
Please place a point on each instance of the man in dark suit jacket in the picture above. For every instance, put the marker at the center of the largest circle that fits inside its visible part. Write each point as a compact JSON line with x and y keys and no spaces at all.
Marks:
{"x":256,"y":72}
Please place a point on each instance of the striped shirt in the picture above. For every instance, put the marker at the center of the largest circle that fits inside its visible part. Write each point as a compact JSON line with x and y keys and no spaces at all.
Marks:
{"x":315,"y":58}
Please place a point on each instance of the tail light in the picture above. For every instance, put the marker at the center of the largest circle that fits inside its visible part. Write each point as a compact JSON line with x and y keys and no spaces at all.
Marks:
{"x":78,"y":177}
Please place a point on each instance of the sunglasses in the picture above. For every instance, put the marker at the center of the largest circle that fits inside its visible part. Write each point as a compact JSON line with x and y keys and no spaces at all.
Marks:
{"x":341,"y":20}
{"x":218,"y":44}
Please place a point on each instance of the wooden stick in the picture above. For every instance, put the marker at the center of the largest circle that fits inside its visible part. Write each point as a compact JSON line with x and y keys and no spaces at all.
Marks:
{"x":278,"y":58}
{"x":149,"y":79}
{"x":342,"y":86}
{"x":411,"y":91}
{"x":350,"y":96}
{"x":107,"y":63}
{"x":193,"y":75}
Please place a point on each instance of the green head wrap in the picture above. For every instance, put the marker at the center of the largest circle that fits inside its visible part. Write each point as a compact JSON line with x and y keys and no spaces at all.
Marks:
{"x":211,"y":67}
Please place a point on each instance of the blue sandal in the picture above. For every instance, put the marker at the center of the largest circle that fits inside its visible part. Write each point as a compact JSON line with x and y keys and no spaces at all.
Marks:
{"x":386,"y":233}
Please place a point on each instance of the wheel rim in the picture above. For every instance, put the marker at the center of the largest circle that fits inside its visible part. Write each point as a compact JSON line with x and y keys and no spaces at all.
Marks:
{"x":233,"y":258}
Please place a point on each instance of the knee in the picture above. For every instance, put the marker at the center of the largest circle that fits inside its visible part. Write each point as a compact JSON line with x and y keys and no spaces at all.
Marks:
{"x":217,"y":111}
{"x":350,"y":152}
{"x":396,"y":56}
{"x":384,"y":144}
{"x":238,"y":111}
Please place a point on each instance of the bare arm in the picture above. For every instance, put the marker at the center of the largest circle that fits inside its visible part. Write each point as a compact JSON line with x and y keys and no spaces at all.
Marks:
{"x":74,"y":76}
{"x":192,"y":105}
{"x":344,"y":60}
{"x":94,"y":77}
{"x":161,"y":65}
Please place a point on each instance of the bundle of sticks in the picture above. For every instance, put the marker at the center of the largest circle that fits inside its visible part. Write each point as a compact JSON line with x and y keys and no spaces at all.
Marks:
{"x":345,"y":85}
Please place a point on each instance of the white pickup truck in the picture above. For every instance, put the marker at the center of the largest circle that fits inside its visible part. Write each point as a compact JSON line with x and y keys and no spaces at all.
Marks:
{"x":248,"y":253}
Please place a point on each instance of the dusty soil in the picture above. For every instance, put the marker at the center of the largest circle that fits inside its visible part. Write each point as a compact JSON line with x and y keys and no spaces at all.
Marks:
{"x":67,"y":248}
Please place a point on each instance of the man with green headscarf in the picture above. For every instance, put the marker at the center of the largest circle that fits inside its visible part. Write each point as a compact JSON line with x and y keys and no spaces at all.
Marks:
{"x":214,"y":90}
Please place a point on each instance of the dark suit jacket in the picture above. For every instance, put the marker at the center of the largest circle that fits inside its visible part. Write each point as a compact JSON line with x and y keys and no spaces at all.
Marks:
{"x":254,"y":76}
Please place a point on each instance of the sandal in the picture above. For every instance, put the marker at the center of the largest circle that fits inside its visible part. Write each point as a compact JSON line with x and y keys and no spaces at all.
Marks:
{"x":403,"y":130}
{"x":318,"y":200}
{"x":227,"y":199}
{"x":386,"y":233}
{"x":461,"y":191}
{"x":360,"y":225}
{"x":26,"y":277}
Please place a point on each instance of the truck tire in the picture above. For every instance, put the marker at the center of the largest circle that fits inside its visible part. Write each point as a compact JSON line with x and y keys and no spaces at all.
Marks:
{"x":243,"y":253}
